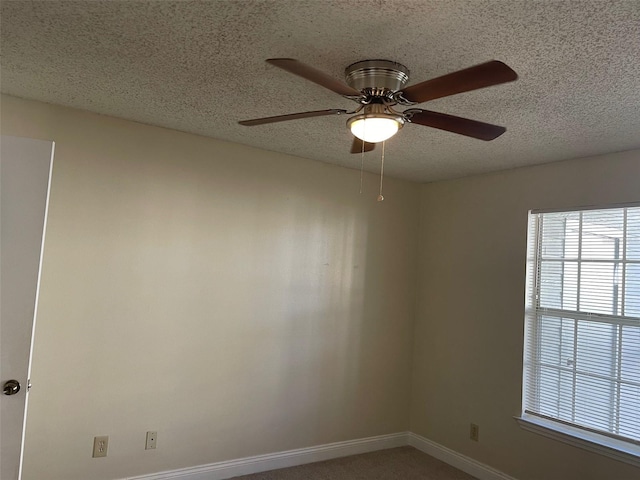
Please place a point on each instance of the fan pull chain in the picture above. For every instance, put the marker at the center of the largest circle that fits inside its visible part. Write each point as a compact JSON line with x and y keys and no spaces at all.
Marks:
{"x":380,"y":197}
{"x":361,"y":166}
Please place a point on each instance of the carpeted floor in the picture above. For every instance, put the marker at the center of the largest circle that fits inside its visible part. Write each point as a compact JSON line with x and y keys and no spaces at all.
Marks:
{"x":403,"y":463}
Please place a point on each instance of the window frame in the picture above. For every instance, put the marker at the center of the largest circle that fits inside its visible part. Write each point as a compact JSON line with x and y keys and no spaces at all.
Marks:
{"x":611,"y":445}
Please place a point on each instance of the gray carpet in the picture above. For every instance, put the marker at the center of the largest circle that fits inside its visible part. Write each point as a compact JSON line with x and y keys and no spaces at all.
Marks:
{"x":403,"y":463}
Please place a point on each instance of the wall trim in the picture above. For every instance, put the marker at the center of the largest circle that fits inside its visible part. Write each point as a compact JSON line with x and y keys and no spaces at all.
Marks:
{"x":455,"y":459}
{"x":272,"y":461}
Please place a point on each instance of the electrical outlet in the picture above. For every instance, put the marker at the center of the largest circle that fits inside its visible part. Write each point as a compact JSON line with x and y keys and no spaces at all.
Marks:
{"x":152,"y":437}
{"x":100,"y":446}
{"x":474,"y":432}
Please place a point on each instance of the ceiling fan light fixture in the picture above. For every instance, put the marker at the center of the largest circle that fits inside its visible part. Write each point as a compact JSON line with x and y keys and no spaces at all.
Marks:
{"x":375,"y":128}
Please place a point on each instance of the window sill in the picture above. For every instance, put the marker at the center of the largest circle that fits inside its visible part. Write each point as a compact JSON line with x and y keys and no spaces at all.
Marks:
{"x":603,"y":445}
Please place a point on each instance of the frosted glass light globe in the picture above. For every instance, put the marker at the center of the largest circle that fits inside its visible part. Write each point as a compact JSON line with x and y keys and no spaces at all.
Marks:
{"x":374,"y":129}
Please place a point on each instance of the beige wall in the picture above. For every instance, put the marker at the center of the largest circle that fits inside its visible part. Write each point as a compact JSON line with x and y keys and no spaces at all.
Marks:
{"x":237,"y":301}
{"x":242,"y":302}
{"x":469,"y":327}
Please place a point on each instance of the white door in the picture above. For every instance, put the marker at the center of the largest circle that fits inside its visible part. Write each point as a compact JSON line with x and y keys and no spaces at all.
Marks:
{"x":25,"y":171}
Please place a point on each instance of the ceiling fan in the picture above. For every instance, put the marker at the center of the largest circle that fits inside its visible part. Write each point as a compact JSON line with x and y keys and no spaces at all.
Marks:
{"x":379,"y":85}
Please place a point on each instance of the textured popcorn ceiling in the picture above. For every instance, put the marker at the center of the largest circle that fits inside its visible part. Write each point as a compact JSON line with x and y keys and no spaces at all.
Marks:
{"x":198,"y":66}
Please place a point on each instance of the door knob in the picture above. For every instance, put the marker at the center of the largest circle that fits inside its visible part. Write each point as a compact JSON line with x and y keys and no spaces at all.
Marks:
{"x":11,"y":387}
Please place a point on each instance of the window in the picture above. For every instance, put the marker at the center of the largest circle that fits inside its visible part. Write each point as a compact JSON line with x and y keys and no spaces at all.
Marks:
{"x":582,"y":335}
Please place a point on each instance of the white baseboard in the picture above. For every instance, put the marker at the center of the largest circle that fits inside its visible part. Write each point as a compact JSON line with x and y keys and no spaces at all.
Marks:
{"x":301,"y":456}
{"x":455,"y":459}
{"x":272,"y":461}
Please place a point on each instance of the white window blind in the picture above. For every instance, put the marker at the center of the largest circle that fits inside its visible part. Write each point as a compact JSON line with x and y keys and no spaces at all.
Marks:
{"x":582,"y":336}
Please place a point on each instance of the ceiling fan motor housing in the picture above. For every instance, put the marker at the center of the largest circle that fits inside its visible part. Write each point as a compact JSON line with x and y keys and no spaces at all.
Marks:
{"x":377,"y":77}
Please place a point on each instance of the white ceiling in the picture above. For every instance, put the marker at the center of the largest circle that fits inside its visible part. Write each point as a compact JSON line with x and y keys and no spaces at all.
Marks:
{"x":198,"y":66}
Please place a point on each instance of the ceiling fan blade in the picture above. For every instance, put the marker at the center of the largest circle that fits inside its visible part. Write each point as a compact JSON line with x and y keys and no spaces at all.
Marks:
{"x":356,"y":146}
{"x":291,"y":116}
{"x":472,"y":78}
{"x":316,"y":76}
{"x":463,"y":126}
